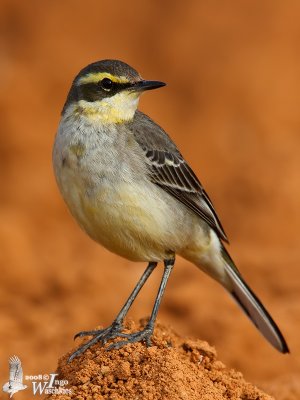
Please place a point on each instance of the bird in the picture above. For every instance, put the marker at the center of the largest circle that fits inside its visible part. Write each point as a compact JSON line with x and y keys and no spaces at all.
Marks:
{"x":15,"y":383}
{"x":131,"y":190}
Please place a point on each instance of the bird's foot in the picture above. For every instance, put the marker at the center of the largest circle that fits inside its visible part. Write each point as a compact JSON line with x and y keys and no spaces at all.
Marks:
{"x":113,"y":331}
{"x":101,"y":335}
{"x":141,"y":336}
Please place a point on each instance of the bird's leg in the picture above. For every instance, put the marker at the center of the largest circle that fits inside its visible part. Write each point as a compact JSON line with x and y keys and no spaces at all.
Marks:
{"x":103,"y":335}
{"x":146,"y":333}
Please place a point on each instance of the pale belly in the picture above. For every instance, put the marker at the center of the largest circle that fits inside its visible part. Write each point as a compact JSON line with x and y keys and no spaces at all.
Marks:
{"x":116,"y":207}
{"x":137,"y":221}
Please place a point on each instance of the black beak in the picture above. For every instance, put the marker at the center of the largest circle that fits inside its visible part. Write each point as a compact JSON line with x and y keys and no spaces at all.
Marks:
{"x":147,"y":85}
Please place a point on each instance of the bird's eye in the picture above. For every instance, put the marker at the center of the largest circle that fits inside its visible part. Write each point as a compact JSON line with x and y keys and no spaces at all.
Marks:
{"x":106,"y":84}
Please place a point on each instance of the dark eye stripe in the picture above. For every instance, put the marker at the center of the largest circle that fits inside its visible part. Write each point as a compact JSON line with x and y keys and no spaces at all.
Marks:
{"x":92,"y":91}
{"x":122,"y":86}
{"x":97,"y":84}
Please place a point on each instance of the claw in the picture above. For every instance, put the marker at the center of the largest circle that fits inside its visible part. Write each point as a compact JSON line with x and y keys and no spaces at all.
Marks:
{"x":79,"y":334}
{"x":102,"y":336}
{"x":87,"y":333}
{"x":112,"y":332}
{"x":83,"y":348}
{"x":142,"y":336}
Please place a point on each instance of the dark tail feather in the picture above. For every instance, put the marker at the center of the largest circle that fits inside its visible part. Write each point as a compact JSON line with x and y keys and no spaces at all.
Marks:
{"x":253,"y":307}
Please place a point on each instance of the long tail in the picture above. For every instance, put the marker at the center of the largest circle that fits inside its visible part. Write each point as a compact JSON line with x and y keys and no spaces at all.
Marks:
{"x":252,"y":306}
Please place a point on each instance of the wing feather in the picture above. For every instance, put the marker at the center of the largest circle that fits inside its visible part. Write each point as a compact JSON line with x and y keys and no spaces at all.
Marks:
{"x":15,"y":370}
{"x":168,"y":169}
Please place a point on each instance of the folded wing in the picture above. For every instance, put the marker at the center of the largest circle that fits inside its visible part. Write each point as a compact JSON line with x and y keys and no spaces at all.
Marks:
{"x":169,"y":170}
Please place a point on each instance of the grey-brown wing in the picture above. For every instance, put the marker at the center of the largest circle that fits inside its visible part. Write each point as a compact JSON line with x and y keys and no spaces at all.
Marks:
{"x":169,"y":170}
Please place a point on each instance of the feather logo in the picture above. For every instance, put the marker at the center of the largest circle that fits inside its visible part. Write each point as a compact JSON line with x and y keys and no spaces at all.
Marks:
{"x":15,"y":383}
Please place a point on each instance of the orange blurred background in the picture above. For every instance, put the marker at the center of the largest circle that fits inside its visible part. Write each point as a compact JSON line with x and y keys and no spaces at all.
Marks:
{"x":231,"y":105}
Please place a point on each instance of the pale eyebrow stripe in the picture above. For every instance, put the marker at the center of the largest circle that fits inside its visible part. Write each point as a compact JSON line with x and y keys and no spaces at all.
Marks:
{"x":95,"y":77}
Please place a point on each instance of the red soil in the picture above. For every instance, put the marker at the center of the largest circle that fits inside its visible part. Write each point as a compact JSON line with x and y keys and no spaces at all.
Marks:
{"x":173,"y":368}
{"x":231,"y":105}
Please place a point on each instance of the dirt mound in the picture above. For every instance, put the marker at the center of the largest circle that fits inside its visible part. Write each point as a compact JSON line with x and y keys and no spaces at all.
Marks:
{"x":173,"y":368}
{"x":231,"y":105}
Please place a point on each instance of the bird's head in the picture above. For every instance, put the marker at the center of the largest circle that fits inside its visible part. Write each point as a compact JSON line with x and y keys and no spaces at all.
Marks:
{"x":107,"y":91}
